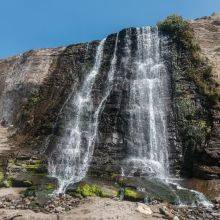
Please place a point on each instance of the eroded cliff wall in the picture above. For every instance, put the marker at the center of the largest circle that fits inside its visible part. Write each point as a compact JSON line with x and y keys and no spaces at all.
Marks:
{"x":20,"y":76}
{"x":207,"y":32}
{"x":37,"y":85}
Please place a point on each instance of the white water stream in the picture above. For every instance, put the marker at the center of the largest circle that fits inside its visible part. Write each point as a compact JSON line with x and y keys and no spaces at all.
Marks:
{"x":69,"y":161}
{"x":147,"y":108}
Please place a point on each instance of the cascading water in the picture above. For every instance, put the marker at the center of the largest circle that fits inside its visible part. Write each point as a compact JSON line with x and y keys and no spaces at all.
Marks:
{"x":69,"y":161}
{"x":148,"y":148}
{"x":147,"y":136}
{"x":148,"y":145}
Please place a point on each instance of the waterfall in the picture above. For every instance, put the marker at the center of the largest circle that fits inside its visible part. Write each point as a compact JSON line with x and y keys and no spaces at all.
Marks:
{"x":148,"y":147}
{"x":146,"y":111}
{"x":70,"y":159}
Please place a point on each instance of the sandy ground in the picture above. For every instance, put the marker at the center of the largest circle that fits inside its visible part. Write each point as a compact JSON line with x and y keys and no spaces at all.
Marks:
{"x":15,"y":192}
{"x":95,"y":209}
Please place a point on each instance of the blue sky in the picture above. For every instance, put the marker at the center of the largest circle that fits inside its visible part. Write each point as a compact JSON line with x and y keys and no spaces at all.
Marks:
{"x":28,"y":24}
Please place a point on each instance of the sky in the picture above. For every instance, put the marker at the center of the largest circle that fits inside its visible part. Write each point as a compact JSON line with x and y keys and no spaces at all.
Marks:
{"x":32,"y":24}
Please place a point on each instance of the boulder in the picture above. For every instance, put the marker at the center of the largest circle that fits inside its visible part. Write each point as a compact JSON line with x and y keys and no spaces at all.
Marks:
{"x":144,"y":209}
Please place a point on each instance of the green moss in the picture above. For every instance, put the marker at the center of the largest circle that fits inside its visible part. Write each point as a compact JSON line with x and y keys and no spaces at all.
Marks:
{"x":87,"y":190}
{"x":132,"y":195}
{"x":7,"y":183}
{"x":50,"y":186}
{"x":36,"y":167}
{"x":109,"y":193}
{"x":32,"y":167}
{"x":41,"y":189}
{"x":34,"y":162}
{"x":1,"y":176}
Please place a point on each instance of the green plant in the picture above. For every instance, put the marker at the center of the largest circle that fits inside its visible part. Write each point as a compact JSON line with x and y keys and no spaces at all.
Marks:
{"x":180,"y":31}
{"x":195,"y":66}
{"x":30,"y":191}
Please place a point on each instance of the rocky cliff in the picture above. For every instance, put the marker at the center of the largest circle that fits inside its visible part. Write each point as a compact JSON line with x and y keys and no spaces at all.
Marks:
{"x":35,"y":88}
{"x":207,"y":32}
{"x":20,"y":76}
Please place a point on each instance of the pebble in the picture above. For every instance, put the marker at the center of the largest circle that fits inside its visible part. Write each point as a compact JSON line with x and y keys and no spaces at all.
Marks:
{"x":58,"y":209}
{"x":165,"y":211}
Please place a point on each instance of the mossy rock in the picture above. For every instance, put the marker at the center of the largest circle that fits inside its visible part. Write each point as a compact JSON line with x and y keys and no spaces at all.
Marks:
{"x":36,"y":167}
{"x":123,"y":181}
{"x":30,"y":191}
{"x":6,"y":183}
{"x":89,"y":190}
{"x":43,"y":190}
{"x":1,"y":176}
{"x":84,"y":190}
{"x":50,"y":186}
{"x":133,"y":195}
{"x":32,"y":167}
{"x":21,"y":183}
{"x":153,"y":190}
{"x":109,"y":192}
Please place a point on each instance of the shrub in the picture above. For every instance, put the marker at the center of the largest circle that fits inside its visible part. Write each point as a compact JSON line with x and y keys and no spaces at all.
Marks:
{"x":180,"y":31}
{"x":195,"y":67}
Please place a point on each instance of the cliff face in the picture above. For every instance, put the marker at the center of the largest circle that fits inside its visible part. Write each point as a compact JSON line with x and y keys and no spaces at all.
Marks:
{"x":207,"y":32}
{"x":20,"y":76}
{"x":35,"y":88}
{"x":37,"y":95}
